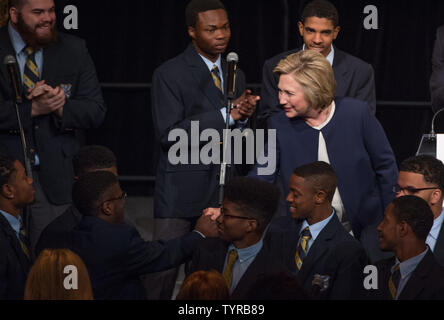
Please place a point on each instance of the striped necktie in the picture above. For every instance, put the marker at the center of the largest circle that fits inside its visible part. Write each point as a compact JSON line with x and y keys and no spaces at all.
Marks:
{"x":301,"y":251}
{"x":216,"y":78}
{"x":23,"y":239}
{"x":31,"y":74}
{"x":395,"y":277}
{"x":228,"y":272}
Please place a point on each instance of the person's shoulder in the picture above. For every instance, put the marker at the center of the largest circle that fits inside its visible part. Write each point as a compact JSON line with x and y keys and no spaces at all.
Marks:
{"x":278,"y":118}
{"x":212,"y":244}
{"x":440,"y":31}
{"x":273,"y":61}
{"x":351,"y":106}
{"x":174,"y":64}
{"x":352,"y":61}
{"x":69,"y":41}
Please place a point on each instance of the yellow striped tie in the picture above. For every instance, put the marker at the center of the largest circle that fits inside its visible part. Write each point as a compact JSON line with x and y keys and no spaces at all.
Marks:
{"x":394,"y":281}
{"x":31,"y":73}
{"x":23,"y":239}
{"x":216,"y":77}
{"x":301,"y":251}
{"x":228,"y":272}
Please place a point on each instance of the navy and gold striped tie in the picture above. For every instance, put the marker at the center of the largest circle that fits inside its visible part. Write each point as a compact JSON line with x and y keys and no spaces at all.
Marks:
{"x":395,"y":277}
{"x":23,"y":239}
{"x":31,"y":74}
{"x":301,"y":251}
{"x":216,"y":78}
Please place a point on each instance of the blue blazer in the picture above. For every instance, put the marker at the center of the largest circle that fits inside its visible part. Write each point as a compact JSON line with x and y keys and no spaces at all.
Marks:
{"x":116,"y":256}
{"x":358,"y":150}
{"x":184,"y":91}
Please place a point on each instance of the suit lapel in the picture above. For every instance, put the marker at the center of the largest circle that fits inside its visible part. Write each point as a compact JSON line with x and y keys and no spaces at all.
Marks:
{"x":340,"y":67}
{"x":203,"y":77}
{"x":51,"y":61}
{"x":439,"y":247}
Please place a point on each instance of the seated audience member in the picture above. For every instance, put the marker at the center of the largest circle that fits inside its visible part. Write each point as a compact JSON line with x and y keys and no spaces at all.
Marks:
{"x":421,"y":176}
{"x":16,"y":192}
{"x":204,"y":285}
{"x":114,"y":253}
{"x":89,"y":159}
{"x":239,"y":253}
{"x":414,"y":273}
{"x":49,"y":279}
{"x":278,"y":286}
{"x":314,"y":125}
{"x":313,"y":243}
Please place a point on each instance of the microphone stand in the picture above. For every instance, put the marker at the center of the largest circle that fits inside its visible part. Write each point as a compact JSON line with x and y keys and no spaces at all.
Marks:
{"x":427,"y":145}
{"x":224,"y":164}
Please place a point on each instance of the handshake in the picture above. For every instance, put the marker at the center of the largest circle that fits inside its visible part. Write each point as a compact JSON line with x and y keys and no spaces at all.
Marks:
{"x":46,"y":100}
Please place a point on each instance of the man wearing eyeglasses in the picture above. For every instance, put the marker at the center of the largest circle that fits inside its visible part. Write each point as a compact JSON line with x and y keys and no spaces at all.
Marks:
{"x":240,"y":253}
{"x":421,"y":176}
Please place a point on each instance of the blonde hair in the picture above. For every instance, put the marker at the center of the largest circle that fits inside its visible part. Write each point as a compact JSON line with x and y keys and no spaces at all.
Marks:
{"x":314,"y":74}
{"x":46,"y":277}
{"x":204,"y":285}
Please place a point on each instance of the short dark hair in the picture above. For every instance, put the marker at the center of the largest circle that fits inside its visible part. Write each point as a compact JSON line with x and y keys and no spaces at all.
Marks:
{"x":6,"y":168}
{"x":194,"y":7}
{"x":321,"y":175}
{"x":431,"y":168}
{"x":93,"y":158}
{"x":416,"y":212}
{"x":89,"y":188}
{"x":258,"y":199}
{"x":321,"y":9}
{"x":16,"y":3}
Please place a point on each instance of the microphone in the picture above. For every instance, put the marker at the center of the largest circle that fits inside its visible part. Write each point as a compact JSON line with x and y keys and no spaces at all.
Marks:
{"x":427,"y":146}
{"x":11,"y":65}
{"x":232,"y":60}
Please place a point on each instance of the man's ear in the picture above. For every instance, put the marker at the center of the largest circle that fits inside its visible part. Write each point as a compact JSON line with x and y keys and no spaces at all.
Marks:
{"x":252,"y":225}
{"x":404,"y":228}
{"x":107,"y":208}
{"x":336,"y":32}
{"x":7,"y":191}
{"x":436,"y":196}
{"x":13,"y":15}
{"x":321,"y":197}
{"x":192,"y":32}
{"x":301,"y":28}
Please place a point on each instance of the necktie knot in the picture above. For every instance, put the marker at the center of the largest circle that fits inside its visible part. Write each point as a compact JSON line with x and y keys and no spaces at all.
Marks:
{"x":301,"y":251}
{"x":216,"y":77}
{"x":29,"y":50}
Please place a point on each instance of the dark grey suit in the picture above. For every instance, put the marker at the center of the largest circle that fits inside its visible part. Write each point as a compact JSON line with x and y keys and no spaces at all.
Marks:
{"x":354,"y":78}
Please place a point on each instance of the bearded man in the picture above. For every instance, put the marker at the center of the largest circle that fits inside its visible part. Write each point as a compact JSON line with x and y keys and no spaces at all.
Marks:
{"x":60,"y":94}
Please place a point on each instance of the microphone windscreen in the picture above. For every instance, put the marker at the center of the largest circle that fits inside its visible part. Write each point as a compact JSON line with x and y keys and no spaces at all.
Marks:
{"x":232,"y":57}
{"x":9,"y":59}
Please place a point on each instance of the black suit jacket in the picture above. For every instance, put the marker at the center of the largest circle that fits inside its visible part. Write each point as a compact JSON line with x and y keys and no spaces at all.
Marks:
{"x":65,"y":62}
{"x":57,"y":232}
{"x":334,"y":253}
{"x":116,"y":256}
{"x":14,"y":265}
{"x":354,"y":78}
{"x":437,"y":78}
{"x":184,"y":91}
{"x":438,"y":251}
{"x":211,"y":255}
{"x":425,"y":283}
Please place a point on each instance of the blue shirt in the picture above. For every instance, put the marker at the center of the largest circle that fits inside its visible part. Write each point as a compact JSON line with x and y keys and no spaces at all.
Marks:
{"x":13,"y":222}
{"x":245,"y":257}
{"x":434,"y":232}
{"x":406,"y":268}
{"x":315,"y":229}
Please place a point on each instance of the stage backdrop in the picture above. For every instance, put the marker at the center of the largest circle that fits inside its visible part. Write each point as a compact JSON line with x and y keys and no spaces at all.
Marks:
{"x":129,"y":39}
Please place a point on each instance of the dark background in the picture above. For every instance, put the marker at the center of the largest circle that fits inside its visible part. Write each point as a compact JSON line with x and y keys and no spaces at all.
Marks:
{"x":129,"y":39}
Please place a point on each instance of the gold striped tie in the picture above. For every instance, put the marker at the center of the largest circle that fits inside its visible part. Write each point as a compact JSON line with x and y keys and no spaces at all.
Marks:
{"x":228,"y":272}
{"x":216,"y":77}
{"x":394,"y":281}
{"x":301,"y":251}
{"x":23,"y":239}
{"x":31,"y":73}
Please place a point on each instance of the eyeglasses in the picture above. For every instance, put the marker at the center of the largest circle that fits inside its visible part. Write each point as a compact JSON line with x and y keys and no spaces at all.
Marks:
{"x":123,"y":196}
{"x":223,"y":214}
{"x":410,"y":190}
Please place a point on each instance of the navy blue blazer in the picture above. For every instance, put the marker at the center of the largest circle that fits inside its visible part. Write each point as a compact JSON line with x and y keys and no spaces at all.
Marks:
{"x":116,"y":255}
{"x":358,"y":150}
{"x":212,"y":252}
{"x":354,"y":78}
{"x":334,"y":253}
{"x":14,"y":265}
{"x":67,"y":61}
{"x":184,"y":91}
{"x":425,"y":283}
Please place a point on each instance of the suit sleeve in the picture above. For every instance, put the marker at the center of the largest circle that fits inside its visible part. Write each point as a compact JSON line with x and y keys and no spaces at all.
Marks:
{"x":169,"y":111}
{"x":381,"y":156}
{"x":437,"y":78}
{"x":86,"y":108}
{"x":366,"y":90}
{"x":269,"y":92}
{"x":153,"y":256}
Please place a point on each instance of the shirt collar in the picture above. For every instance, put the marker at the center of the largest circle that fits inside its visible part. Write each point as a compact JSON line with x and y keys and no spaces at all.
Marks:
{"x":330,"y":57}
{"x":437,"y":223}
{"x":13,"y":221}
{"x":316,"y":228}
{"x":16,"y":39}
{"x":210,"y":63}
{"x":248,"y":252}
{"x":409,"y":265}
